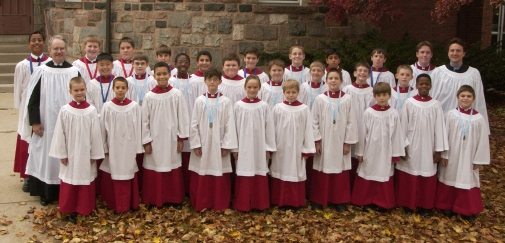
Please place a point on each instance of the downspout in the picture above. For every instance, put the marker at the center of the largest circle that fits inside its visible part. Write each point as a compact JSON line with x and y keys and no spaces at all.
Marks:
{"x":107,"y":26}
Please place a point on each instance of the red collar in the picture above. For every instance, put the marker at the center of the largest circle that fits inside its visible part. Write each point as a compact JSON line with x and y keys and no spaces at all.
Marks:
{"x":422,"y":99}
{"x":82,"y":105}
{"x":143,"y":76}
{"x":212,"y":96}
{"x":338,"y":68}
{"x":86,"y":60}
{"x":181,"y":77}
{"x":335,"y":94}
{"x":272,"y":83}
{"x":105,"y":80}
{"x":403,"y":89}
{"x":377,"y":107}
{"x":198,"y":73}
{"x":316,"y":85}
{"x":381,"y":69}
{"x":467,"y":111}
{"x":296,"y":69}
{"x":296,"y":103}
{"x":236,"y":78}
{"x":429,"y":67}
{"x":362,"y":86}
{"x":247,"y":100}
{"x":44,"y":58}
{"x":125,"y":61}
{"x":126,"y":101}
{"x":159,"y":90}
{"x":251,"y":71}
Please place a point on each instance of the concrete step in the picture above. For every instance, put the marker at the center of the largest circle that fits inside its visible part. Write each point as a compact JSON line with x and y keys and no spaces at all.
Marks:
{"x":14,"y":48}
{"x":12,"y":57}
{"x":8,"y":67}
{"x":20,"y":39}
{"x":6,"y":88}
{"x":6,"y":78}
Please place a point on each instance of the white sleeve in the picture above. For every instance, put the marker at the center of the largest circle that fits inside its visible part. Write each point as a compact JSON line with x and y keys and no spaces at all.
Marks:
{"x":316,"y":116}
{"x":58,"y":147}
{"x":309,"y":147}
{"x":270,"y":143}
{"x":230,"y":140}
{"x":351,"y":133}
{"x":103,"y":129}
{"x":146,"y":124}
{"x":194,"y":130}
{"x":97,"y":151}
{"x":183,"y":116}
{"x":441,"y":139}
{"x":18,"y":85}
{"x":482,"y":154}
{"x":138,"y":129}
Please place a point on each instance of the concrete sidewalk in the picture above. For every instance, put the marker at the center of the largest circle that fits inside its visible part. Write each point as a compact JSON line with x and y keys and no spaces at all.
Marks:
{"x":14,"y":203}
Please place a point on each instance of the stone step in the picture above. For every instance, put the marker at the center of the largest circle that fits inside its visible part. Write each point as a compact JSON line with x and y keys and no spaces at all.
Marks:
{"x":12,"y":57}
{"x":6,"y":88}
{"x":8,"y":67}
{"x":6,"y":78}
{"x":14,"y":48}
{"x":21,"y":39}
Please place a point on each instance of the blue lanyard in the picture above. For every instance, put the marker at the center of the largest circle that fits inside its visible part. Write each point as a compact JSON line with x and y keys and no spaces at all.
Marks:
{"x":301,"y":74}
{"x":179,"y":86}
{"x":464,"y":129}
{"x":277,"y":94}
{"x":399,"y":96}
{"x":104,"y":99}
{"x":318,"y":91}
{"x":245,"y":72}
{"x":210,"y":115}
{"x":31,"y":61}
{"x":334,"y":111}
{"x":140,"y":95}
{"x":371,"y":76}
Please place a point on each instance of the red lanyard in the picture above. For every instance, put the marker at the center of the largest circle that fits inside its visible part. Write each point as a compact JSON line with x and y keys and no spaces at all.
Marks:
{"x":89,"y":71}
{"x":124,"y":69}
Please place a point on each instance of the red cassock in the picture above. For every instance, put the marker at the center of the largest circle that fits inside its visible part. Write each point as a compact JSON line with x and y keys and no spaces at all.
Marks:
{"x":120,"y":195}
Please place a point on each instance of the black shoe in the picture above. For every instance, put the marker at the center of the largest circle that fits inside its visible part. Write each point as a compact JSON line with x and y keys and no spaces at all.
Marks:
{"x":316,"y":206}
{"x":44,"y":201}
{"x":26,"y":187}
{"x":407,"y":211}
{"x":448,"y":213}
{"x":468,"y":218}
{"x":177,"y":206}
{"x":424,"y":212}
{"x":366,"y":208}
{"x":341,"y":208}
{"x":72,"y":217}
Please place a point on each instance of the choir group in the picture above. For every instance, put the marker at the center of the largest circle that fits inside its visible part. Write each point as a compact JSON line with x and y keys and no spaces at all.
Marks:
{"x":118,"y":129}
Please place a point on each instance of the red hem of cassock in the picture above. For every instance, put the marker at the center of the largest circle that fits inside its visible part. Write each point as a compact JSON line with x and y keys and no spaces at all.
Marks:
{"x":353,"y":173}
{"x":21,"y":157}
{"x":120,"y":195}
{"x":140,"y":164}
{"x":251,"y":192}
{"x":98,"y":179}
{"x":367,"y":192}
{"x":462,"y":201}
{"x":415,"y":191}
{"x":287,"y":193}
{"x":185,"y":170}
{"x":309,"y":162}
{"x":330,"y":188}
{"x":77,"y":198}
{"x":210,"y":192}
{"x":163,"y":187}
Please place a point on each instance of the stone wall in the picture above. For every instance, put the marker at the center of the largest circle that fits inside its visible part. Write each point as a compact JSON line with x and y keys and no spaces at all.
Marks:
{"x":188,"y":26}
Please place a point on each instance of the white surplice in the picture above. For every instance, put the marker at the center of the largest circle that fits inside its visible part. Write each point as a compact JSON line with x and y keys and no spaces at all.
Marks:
{"x":418,"y":71}
{"x":398,"y":98}
{"x":83,"y":70}
{"x":385,"y":76}
{"x":276,"y":94}
{"x":96,"y":91}
{"x":138,"y":85}
{"x":118,"y":71}
{"x":261,"y":75}
{"x":306,"y":90}
{"x":234,"y":90}
{"x":300,"y":76}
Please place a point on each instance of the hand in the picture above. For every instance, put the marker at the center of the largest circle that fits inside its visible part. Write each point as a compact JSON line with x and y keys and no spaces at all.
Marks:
{"x":180,"y":145}
{"x":318,"y":148}
{"x":360,"y":159}
{"x":64,"y":161}
{"x":436,"y":157}
{"x":347,"y":148}
{"x":444,"y":162}
{"x":268,"y":155}
{"x":93,"y":161}
{"x":224,"y":152}
{"x":148,"y":149}
{"x":235,"y":155}
{"x":38,"y":129}
{"x":198,"y":152}
{"x":475,"y":167}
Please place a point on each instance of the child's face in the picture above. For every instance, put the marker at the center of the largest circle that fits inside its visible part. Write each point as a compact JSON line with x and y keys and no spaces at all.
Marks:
{"x":291,"y":95}
{"x":456,"y":53}
{"x":182,"y":65}
{"x":140,"y":66}
{"x":164,"y":57}
{"x":92,"y":49}
{"x":36,"y":44}
{"x":250,"y":61}
{"x":78,"y":91}
{"x":465,"y":99}
{"x":382,"y":99}
{"x":126,"y":50}
{"x":203,"y":63}
{"x":423,"y":86}
{"x":276,"y":72}
{"x":161,"y":74}
{"x":120,"y":89}
{"x":362,"y":74}
{"x":213,"y":84}
{"x":104,"y":68}
{"x":317,"y":74}
{"x":230,"y":68}
{"x":252,"y":88}
{"x":424,"y":55}
{"x":333,"y":80}
{"x":333,"y":61}
{"x":378,"y":60}
{"x":404,"y":76}
{"x":297,"y":56}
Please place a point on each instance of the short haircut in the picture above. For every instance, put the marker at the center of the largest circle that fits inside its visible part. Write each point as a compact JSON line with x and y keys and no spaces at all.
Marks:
{"x":334,"y":70}
{"x":333,"y":51}
{"x":212,"y":72}
{"x":290,"y":84}
{"x":161,"y":65}
{"x":317,"y":64}
{"x":163,"y":49}
{"x":181,"y":55}
{"x":252,"y":77}
{"x":423,"y":75}
{"x":379,"y":51}
{"x":104,"y":56}
{"x":405,"y":66}
{"x":92,"y":39}
{"x":252,"y":50}
{"x":36,"y":33}
{"x":457,"y":41}
{"x":299,"y":47}
{"x":381,"y":88}
{"x":140,"y":57}
{"x":466,"y":88}
{"x":203,"y":53}
{"x":362,"y":64}
{"x":231,"y":57}
{"x":76,"y":80}
{"x":424,"y":43}
{"x":119,"y":79}
{"x":56,"y":37}
{"x":127,"y":40}
{"x":277,"y":62}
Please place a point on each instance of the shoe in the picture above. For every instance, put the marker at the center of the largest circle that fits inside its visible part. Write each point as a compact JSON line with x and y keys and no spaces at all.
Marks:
{"x":72,"y":217}
{"x":468,"y":218}
{"x":407,"y":211}
{"x":448,"y":213}
{"x":381,"y":209}
{"x":26,"y":186}
{"x":316,"y":206}
{"x":44,"y":201}
{"x":341,"y":208}
{"x":177,"y":206}
{"x":424,"y":212}
{"x":365,"y":208}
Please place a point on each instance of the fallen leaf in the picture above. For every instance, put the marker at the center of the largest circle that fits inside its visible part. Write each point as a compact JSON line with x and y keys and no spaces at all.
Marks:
{"x":228,"y":211}
{"x":328,"y":215}
{"x":494,"y":170}
{"x":416,"y":218}
{"x":20,"y":234}
{"x":156,"y":240}
{"x":21,"y":203}
{"x":457,"y":229}
{"x":12,"y":174}
{"x":103,"y":222}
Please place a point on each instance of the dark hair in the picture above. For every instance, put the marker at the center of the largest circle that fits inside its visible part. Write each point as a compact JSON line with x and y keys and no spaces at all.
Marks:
{"x":424,"y":43}
{"x":277,"y":62}
{"x":381,"y":88}
{"x":380,"y":51}
{"x":203,"y":53}
{"x":161,"y":65}
{"x":119,"y":79}
{"x":181,"y":54}
{"x":212,"y":72}
{"x":231,"y":57}
{"x":36,"y":33}
{"x":163,"y":49}
{"x":252,"y":50}
{"x":334,"y":70}
{"x":466,"y":88}
{"x":140,"y":57}
{"x":423,"y":75}
{"x":457,"y":41}
{"x":128,"y":40}
{"x":250,"y":77}
{"x":104,"y":56}
{"x":362,"y":64}
{"x":332,"y":51}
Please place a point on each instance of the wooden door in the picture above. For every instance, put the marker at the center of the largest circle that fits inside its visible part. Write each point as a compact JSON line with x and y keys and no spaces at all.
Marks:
{"x":16,"y":17}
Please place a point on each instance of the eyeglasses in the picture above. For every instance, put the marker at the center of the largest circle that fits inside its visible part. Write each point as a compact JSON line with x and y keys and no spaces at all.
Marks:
{"x":58,"y":48}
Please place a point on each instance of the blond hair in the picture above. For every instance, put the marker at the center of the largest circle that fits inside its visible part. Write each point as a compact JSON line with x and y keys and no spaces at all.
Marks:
{"x":92,"y":39}
{"x":404,"y":66}
{"x":290,"y":84}
{"x":317,"y":64}
{"x":75,"y":80}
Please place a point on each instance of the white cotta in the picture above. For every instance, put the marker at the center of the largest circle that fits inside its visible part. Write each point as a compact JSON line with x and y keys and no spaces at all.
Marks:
{"x":276,"y":94}
{"x":262,"y":76}
{"x":294,"y":136}
{"x":222,"y":135}
{"x":164,"y":119}
{"x":122,"y":139}
{"x":395,"y":103}
{"x":346,"y":78}
{"x":383,"y":140}
{"x":21,"y":80}
{"x":117,"y":69}
{"x":416,"y":73}
{"x":423,"y":124}
{"x":386,"y":77}
{"x":95,"y":93}
{"x":306,"y":89}
{"x":151,"y":83}
{"x":361,"y":100}
{"x":53,"y":95}
{"x":234,"y":90}
{"x":84,"y":71}
{"x":464,"y":153}
{"x":446,"y":83}
{"x":255,"y":132}
{"x":77,"y":138}
{"x":333,"y":136}
{"x":296,"y":75}
{"x":199,"y":85}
